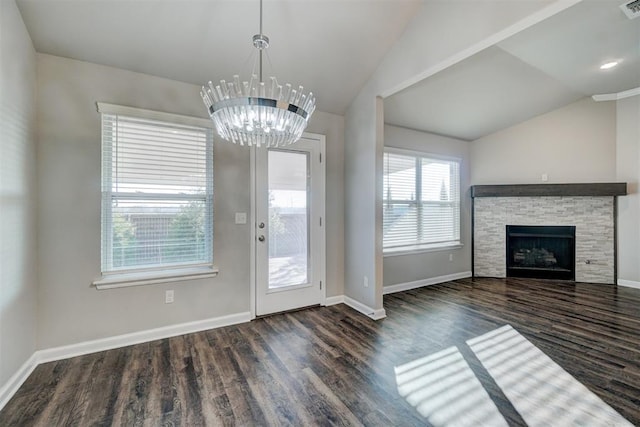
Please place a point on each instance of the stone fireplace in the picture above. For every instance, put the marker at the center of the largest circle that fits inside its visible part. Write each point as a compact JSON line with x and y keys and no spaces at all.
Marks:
{"x":581,"y":214}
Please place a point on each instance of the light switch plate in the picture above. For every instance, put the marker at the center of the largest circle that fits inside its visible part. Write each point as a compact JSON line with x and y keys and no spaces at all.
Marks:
{"x":241,"y":217}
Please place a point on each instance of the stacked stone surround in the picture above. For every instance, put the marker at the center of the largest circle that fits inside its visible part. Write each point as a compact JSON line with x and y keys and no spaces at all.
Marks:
{"x":593,"y":218}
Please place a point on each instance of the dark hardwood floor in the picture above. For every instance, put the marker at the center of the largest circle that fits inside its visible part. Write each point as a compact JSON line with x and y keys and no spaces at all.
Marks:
{"x":334,"y":366}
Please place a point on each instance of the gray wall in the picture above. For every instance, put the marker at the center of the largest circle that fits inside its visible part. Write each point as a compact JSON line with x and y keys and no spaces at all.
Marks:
{"x":420,"y":52}
{"x":18,"y":297}
{"x":628,"y":170}
{"x":575,"y":143}
{"x":71,"y":310}
{"x":361,"y":248}
{"x":412,"y":267}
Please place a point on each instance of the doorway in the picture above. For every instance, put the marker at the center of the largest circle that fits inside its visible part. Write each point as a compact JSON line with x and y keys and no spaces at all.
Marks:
{"x":289,"y":231}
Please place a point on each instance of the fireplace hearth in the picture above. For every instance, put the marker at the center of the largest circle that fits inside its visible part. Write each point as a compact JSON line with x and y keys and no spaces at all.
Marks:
{"x":544,"y":252}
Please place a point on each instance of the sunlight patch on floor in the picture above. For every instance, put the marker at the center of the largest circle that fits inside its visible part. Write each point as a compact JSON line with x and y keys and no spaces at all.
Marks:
{"x":540,"y":390}
{"x":444,"y":389}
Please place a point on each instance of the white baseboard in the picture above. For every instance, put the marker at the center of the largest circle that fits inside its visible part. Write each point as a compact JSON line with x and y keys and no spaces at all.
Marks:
{"x":10,"y":387}
{"x":86,"y":347}
{"x":79,"y":349}
{"x":378,"y":314}
{"x":365,"y":309}
{"x":338,"y":299}
{"x":424,"y":282}
{"x":629,"y":283}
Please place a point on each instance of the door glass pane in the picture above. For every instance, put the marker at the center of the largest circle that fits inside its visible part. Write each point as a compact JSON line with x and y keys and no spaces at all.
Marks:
{"x":288,"y":218}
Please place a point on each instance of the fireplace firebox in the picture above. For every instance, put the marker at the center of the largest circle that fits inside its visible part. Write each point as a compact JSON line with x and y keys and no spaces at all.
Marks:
{"x":543,"y":252}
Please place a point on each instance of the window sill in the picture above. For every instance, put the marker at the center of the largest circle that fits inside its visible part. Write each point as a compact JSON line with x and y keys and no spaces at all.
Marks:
{"x":123,"y":280}
{"x":419,"y":249}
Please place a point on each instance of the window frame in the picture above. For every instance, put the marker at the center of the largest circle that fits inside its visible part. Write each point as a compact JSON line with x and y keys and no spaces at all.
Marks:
{"x":416,"y":248}
{"x":144,"y":275}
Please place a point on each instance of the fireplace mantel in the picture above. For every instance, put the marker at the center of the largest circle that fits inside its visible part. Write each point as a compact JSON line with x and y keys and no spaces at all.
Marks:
{"x":551,"y":190}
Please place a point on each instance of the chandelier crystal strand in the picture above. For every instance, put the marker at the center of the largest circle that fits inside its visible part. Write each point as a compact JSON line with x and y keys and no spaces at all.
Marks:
{"x":256,"y":113}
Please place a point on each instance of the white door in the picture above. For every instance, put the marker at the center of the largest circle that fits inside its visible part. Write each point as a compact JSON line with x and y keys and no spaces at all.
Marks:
{"x":289,"y":233}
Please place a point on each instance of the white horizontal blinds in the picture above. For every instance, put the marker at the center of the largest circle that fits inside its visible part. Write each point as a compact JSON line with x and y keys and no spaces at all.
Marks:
{"x":400,"y":207}
{"x":421,"y":201}
{"x":440,"y":201}
{"x":157,"y":194}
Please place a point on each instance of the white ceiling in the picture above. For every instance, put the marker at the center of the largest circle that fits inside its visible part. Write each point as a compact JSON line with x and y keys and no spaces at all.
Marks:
{"x":536,"y":71}
{"x":331,"y":47}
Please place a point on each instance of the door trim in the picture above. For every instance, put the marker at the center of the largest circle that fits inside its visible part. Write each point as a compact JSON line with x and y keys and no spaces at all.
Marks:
{"x":321,"y":140}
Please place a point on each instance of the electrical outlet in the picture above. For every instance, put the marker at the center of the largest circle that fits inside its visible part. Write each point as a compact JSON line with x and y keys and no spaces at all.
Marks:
{"x":168,"y":296}
{"x":544,"y":177}
{"x":450,"y":257}
{"x":366,"y":282}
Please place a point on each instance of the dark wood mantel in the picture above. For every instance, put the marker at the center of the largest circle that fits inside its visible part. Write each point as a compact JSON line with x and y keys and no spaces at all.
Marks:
{"x":550,"y":190}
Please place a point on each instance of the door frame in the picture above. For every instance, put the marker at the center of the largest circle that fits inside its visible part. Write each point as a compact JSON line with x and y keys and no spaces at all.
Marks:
{"x":321,"y":140}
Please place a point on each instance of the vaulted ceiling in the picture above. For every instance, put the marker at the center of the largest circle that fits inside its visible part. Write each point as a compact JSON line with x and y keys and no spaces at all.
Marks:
{"x":332,"y":47}
{"x":540,"y":69}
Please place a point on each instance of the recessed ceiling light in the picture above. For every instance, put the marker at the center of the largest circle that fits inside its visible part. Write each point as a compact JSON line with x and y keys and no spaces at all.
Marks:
{"x":608,"y":65}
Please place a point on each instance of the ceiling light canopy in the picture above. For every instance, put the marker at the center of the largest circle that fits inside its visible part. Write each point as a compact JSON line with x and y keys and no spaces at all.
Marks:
{"x":256,"y":113}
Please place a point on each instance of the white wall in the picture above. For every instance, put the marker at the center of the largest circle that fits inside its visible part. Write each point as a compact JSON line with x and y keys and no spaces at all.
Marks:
{"x":628,"y":170}
{"x":439,"y":35}
{"x":71,"y":310}
{"x":400,"y":269}
{"x":18,"y":297}
{"x":575,"y":143}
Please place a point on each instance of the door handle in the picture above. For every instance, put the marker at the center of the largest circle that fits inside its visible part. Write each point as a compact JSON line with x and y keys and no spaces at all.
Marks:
{"x":261,"y":238}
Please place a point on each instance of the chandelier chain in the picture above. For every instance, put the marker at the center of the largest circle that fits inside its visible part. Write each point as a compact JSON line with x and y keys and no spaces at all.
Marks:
{"x":260,"y":17}
{"x":261,"y":35}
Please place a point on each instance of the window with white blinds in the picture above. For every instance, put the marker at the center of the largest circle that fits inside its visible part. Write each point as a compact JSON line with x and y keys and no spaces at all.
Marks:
{"x":421,"y":201}
{"x":157,"y":194}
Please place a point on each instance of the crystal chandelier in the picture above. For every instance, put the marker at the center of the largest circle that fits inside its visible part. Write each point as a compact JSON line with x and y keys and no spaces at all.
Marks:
{"x":256,"y":113}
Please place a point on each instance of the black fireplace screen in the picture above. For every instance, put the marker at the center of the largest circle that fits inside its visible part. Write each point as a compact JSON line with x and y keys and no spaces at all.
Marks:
{"x":546,"y":252}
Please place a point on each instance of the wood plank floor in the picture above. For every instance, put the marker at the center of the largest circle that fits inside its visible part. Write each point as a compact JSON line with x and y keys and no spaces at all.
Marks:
{"x":333,"y":366}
